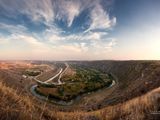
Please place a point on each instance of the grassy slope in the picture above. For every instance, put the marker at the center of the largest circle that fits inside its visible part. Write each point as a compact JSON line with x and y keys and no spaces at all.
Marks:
{"x":14,"y":106}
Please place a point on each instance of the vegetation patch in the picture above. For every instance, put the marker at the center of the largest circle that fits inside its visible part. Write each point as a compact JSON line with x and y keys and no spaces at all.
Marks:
{"x":31,"y":72}
{"x":84,"y":81}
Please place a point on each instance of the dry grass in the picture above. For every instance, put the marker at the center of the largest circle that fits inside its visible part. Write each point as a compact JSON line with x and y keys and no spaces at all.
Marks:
{"x":14,"y":106}
{"x":139,"y":108}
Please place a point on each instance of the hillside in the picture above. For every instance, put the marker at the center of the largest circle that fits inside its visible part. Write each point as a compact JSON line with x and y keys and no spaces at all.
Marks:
{"x":136,"y":77}
{"x":136,"y":95}
{"x":14,"y":106}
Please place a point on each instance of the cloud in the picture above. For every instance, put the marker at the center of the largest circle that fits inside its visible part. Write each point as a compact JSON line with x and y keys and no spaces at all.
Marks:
{"x":26,"y":47}
{"x":100,"y":19}
{"x":27,"y":39}
{"x":39,"y":9}
{"x":109,"y":46}
{"x":13,"y":28}
{"x":90,"y":42}
{"x":54,"y":41}
{"x":66,"y":10}
{"x":80,"y":37}
{"x":103,"y":47}
{"x":36,"y":9}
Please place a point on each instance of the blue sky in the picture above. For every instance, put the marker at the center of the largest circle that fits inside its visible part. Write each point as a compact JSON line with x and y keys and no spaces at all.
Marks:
{"x":79,"y":29}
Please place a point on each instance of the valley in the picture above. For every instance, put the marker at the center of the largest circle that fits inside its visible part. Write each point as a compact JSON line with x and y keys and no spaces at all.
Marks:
{"x":84,"y":86}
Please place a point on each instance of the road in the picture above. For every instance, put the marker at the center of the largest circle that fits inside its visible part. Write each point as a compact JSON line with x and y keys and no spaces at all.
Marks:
{"x":59,"y":82}
{"x":50,"y":79}
{"x":59,"y":79}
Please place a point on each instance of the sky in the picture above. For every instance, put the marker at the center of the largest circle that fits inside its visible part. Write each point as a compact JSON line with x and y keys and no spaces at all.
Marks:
{"x":79,"y":29}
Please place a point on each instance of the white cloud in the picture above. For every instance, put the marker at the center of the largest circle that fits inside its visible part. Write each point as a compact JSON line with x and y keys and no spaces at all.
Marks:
{"x":54,"y":43}
{"x":13,"y":28}
{"x":47,"y":11}
{"x":68,"y":48}
{"x":92,"y":42}
{"x":100,"y":19}
{"x":68,"y":10}
{"x":109,"y":46}
{"x":36,"y":9}
{"x":39,"y":9}
{"x":84,"y":47}
{"x":27,"y":39}
{"x":103,"y":46}
{"x":26,"y":47}
{"x":55,"y":37}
